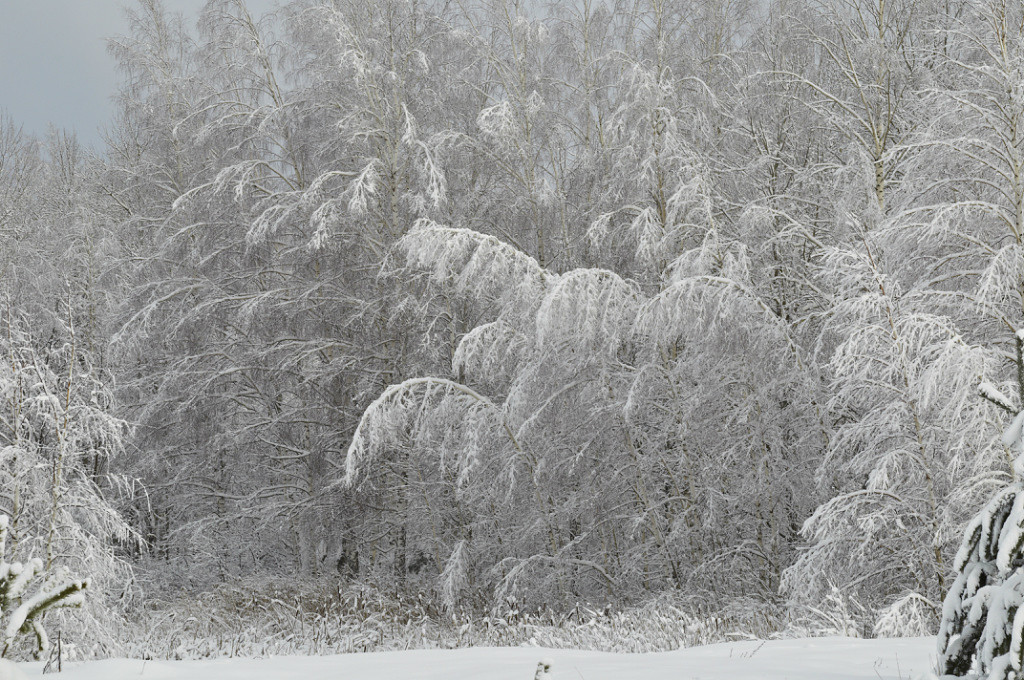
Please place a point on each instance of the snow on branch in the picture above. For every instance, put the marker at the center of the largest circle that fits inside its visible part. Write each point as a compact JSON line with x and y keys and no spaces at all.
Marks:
{"x":515,"y":570}
{"x":588,"y":308}
{"x":404,"y":409}
{"x":709,"y":301}
{"x":998,"y":279}
{"x":474,"y":265}
{"x":982,"y":625}
{"x":23,"y":614}
{"x":991,"y":393}
{"x":1012,"y":436}
{"x":488,"y":352}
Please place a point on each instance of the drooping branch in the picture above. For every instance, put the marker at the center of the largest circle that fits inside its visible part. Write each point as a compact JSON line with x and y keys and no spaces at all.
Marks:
{"x":406,"y":406}
{"x":475,"y":265}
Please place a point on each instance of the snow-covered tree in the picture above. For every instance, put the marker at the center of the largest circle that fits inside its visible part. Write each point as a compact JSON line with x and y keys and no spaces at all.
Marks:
{"x":905,"y":435}
{"x":864,"y":91}
{"x":601,"y":408}
{"x":20,"y":165}
{"x":982,"y":630}
{"x":22,"y":613}
{"x":676,"y":226}
{"x":59,"y":493}
{"x":971,"y":210}
{"x":257,"y":294}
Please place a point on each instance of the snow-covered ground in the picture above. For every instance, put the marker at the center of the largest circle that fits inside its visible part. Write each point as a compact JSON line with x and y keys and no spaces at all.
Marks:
{"x":806,"y":659}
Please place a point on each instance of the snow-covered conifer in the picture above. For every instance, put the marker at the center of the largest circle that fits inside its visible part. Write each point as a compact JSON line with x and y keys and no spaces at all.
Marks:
{"x":982,"y":631}
{"x":21,"y":613}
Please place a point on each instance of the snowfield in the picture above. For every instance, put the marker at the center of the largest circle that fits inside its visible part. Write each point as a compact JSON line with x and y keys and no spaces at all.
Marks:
{"x":803,"y":659}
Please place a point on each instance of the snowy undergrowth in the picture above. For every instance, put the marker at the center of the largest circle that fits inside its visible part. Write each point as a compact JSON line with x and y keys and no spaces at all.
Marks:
{"x":272,"y":618}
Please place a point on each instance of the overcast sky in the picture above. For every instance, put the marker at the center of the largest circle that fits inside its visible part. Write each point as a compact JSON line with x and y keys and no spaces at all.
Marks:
{"x":54,"y":66}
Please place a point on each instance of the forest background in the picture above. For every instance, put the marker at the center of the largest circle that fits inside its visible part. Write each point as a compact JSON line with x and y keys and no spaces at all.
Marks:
{"x":505,"y":307}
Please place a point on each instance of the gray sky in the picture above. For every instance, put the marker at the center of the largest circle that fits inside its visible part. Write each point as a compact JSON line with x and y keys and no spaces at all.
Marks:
{"x":54,"y":66}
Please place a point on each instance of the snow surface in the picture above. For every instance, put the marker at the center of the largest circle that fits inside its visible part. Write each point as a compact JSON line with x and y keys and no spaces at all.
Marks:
{"x":803,"y":659}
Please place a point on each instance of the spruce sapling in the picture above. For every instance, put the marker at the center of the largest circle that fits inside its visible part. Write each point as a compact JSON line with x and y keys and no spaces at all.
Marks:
{"x":20,"y":613}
